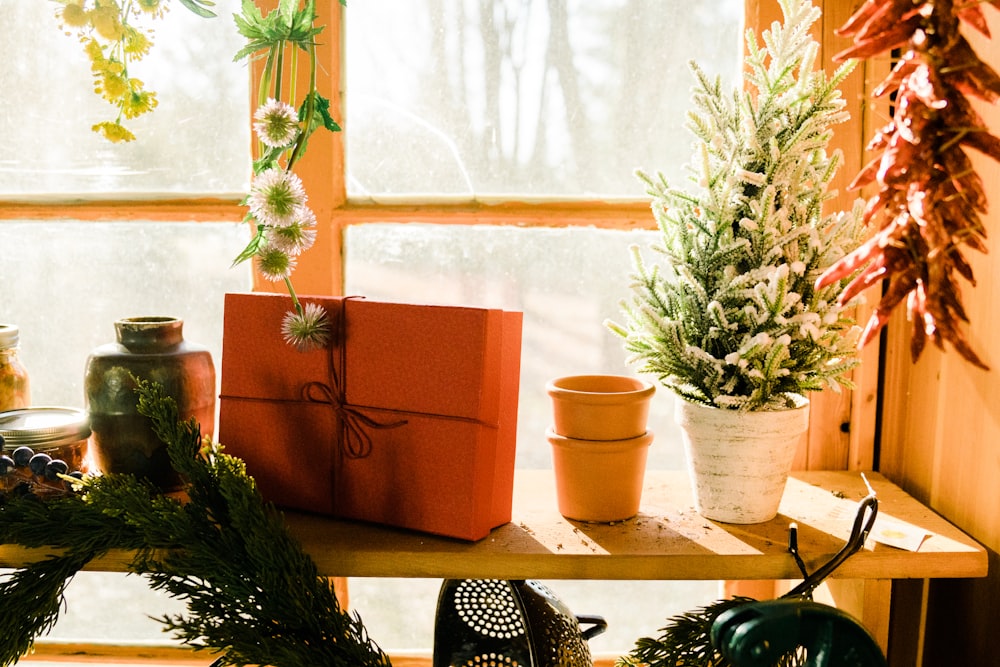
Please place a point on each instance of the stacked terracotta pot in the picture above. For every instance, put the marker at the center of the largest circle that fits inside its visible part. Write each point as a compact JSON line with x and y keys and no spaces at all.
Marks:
{"x":599,"y":444}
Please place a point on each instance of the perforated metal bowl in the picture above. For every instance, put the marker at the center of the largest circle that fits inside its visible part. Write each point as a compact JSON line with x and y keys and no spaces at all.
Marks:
{"x":516,"y":623}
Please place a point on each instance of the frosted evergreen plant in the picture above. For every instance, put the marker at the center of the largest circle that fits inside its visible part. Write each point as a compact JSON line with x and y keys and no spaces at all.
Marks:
{"x":734,"y":319}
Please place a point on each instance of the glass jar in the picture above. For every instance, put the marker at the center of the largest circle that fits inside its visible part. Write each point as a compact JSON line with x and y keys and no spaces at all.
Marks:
{"x":55,"y":434}
{"x":14,"y":384}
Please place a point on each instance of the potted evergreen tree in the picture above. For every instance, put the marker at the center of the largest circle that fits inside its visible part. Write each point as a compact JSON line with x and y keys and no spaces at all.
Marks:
{"x":734,"y":324}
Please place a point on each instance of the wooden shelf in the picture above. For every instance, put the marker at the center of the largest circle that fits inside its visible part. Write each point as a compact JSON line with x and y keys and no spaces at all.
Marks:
{"x":667,"y":540}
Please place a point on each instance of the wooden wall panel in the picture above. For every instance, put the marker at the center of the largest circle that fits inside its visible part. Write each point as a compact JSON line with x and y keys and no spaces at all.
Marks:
{"x":941,"y":442}
{"x":843,"y":425}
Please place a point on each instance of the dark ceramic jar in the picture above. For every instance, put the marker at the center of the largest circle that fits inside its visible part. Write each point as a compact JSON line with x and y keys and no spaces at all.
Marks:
{"x":154,"y":349}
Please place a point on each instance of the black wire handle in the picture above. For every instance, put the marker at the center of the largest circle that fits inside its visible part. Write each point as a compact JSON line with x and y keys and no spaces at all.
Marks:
{"x":863,"y":522}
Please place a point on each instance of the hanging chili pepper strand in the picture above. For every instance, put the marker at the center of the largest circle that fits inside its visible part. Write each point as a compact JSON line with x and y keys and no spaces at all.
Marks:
{"x":929,"y":198}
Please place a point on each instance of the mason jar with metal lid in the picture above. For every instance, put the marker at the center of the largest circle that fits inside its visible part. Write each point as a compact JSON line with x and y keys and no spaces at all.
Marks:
{"x":14,"y":384}
{"x":59,"y":433}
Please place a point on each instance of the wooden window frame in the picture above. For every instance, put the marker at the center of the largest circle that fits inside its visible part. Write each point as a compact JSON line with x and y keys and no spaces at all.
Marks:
{"x":842,"y":434}
{"x":843,"y":426}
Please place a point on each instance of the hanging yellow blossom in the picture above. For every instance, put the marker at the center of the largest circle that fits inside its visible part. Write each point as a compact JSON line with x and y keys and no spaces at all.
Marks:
{"x":136,"y":42}
{"x":152,"y":7}
{"x":113,"y":132}
{"x":114,"y":40}
{"x":138,"y":101}
{"x":111,"y":85}
{"x":74,"y":15}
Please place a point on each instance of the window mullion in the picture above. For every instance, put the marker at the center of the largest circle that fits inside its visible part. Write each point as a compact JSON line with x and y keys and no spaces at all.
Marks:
{"x":319,"y":271}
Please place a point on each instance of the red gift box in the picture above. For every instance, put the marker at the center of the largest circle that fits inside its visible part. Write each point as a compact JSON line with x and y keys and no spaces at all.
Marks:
{"x":408,"y":418}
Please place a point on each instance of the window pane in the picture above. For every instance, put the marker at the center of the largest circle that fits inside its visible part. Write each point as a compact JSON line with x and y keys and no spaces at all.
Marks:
{"x":195,"y":142}
{"x":565,"y":281}
{"x":465,"y":98}
{"x":65,"y":283}
{"x":112,"y":607}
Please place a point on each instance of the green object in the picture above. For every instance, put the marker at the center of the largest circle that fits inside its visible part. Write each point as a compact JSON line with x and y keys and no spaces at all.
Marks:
{"x":734,"y":320}
{"x":252,"y":595}
{"x":758,"y":634}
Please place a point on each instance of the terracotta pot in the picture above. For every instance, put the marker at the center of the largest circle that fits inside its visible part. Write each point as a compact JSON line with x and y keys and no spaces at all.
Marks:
{"x":599,"y":480}
{"x":600,"y":407}
{"x":739,"y":461}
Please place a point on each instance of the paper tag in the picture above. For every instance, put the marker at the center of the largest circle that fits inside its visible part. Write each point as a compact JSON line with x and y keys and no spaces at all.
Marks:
{"x":897,"y":534}
{"x":887,"y":530}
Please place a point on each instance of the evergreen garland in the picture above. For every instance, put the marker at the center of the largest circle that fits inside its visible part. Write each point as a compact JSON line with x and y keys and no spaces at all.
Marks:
{"x":735,"y":320}
{"x":252,"y":594}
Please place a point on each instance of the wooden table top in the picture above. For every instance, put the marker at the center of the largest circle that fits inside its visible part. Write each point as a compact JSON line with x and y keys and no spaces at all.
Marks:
{"x":666,"y":540}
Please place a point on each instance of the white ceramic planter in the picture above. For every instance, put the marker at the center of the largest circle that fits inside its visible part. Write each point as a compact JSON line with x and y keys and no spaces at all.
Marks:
{"x":739,"y":461}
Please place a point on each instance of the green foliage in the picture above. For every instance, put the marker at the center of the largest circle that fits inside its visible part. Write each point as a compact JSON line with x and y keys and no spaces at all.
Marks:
{"x":200,"y":7}
{"x":686,"y":640}
{"x":735,"y":319}
{"x":287,"y":23}
{"x":251,"y":593}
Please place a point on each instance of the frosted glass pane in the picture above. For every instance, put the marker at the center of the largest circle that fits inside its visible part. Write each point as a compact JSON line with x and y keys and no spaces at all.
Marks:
{"x":65,"y":283}
{"x":469,"y":98}
{"x":197,"y":141}
{"x":565,"y":281}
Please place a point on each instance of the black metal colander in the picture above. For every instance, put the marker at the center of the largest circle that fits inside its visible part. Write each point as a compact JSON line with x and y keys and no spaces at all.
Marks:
{"x":509,"y":623}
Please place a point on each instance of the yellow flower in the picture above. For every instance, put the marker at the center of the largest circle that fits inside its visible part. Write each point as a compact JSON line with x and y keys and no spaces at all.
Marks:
{"x":94,"y":51}
{"x":153,"y":7}
{"x":113,"y":132}
{"x":107,"y":22}
{"x":74,"y":15}
{"x":112,"y":43}
{"x":115,"y":86}
{"x":138,"y":101}
{"x":135,"y":42}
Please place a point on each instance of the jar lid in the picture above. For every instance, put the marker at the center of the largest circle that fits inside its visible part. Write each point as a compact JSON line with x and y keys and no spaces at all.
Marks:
{"x":43,"y":426}
{"x":9,"y":335}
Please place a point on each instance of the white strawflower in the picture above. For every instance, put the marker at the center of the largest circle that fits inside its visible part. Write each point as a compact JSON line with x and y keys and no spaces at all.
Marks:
{"x":277,"y":123}
{"x":276,"y":197}
{"x":296,"y":237}
{"x":274,"y":263}
{"x":306,"y":331}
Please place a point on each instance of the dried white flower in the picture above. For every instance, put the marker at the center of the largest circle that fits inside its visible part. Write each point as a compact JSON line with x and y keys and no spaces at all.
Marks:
{"x":308,"y":330}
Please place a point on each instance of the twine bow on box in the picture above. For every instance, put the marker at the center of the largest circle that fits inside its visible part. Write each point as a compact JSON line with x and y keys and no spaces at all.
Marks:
{"x":355,"y":440}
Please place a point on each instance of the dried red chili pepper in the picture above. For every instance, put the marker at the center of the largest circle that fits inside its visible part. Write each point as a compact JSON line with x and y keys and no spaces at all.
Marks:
{"x":929,"y":199}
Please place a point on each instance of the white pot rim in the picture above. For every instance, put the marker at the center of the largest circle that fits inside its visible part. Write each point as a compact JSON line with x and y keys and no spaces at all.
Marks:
{"x":801,"y":403}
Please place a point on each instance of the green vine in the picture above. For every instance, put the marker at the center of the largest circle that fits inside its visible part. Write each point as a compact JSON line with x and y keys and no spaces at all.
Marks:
{"x":252,"y":595}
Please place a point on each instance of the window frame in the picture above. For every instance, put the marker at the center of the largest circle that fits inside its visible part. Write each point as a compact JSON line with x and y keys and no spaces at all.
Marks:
{"x":843,"y":426}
